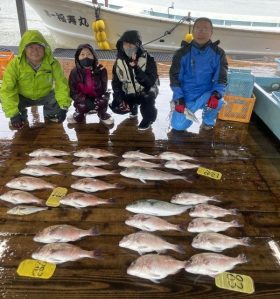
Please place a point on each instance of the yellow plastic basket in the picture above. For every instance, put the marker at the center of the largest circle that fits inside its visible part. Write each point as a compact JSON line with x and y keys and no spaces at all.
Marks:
{"x":237,"y":108}
{"x":5,"y":57}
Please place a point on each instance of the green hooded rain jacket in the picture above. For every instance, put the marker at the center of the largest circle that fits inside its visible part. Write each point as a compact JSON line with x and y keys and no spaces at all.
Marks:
{"x":20,"y":78}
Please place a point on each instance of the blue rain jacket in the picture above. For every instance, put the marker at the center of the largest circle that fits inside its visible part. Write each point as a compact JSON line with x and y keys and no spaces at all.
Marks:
{"x":196,"y":70}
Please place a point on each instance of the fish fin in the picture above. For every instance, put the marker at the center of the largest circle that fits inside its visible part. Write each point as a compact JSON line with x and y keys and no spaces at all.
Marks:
{"x":141,"y":252}
{"x":235,"y":223}
{"x":155,"y":281}
{"x":213,"y":273}
{"x":143,"y":181}
{"x":94,"y":231}
{"x":246,"y":241}
{"x":96,"y":254}
{"x":214,"y":199}
{"x":242,"y":258}
{"x":185,"y":179}
{"x":147,"y":228}
{"x":180,"y":248}
{"x":217,"y":249}
{"x":182,"y":227}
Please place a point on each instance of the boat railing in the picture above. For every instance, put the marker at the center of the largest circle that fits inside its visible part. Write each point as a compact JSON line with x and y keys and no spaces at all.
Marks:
{"x":219,"y":22}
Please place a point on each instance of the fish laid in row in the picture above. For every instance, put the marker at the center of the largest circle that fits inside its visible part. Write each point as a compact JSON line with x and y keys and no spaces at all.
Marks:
{"x":155,"y":267}
{"x":200,"y":225}
{"x":63,"y":233}
{"x":211,"y":211}
{"x":173,"y":156}
{"x":93,"y":152}
{"x":180,"y":165}
{"x":89,"y":161}
{"x":152,"y":223}
{"x":59,"y":253}
{"x":144,"y":242}
{"x":156,"y":207}
{"x":188,"y":198}
{"x":92,"y":171}
{"x":212,"y":264}
{"x":48,"y":152}
{"x":92,"y":185}
{"x":82,"y":200}
{"x":217,"y":242}
{"x":138,"y":163}
{"x":45,"y":161}
{"x":28,"y":183}
{"x":137,"y":155}
{"x":37,"y":170}
{"x":22,"y":210}
{"x":144,"y":174}
{"x":20,"y":197}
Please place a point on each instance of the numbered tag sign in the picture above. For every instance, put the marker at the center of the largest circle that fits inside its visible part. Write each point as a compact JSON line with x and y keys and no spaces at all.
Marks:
{"x":235,"y":282}
{"x":55,"y":197}
{"x":209,"y":173}
{"x":36,"y":269}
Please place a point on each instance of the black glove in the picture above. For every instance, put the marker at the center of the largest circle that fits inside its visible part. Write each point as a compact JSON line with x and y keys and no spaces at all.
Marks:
{"x":17,"y":121}
{"x":61,"y":115}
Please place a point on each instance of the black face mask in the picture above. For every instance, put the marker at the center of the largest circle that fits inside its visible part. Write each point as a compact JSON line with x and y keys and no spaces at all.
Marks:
{"x":86,"y":62}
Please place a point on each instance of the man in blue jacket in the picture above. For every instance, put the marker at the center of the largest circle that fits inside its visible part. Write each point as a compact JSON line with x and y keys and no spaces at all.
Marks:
{"x":198,"y":77}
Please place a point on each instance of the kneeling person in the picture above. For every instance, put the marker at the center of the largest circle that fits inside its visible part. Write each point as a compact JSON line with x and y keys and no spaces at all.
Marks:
{"x":34,"y":78}
{"x":88,"y":86}
{"x":135,"y":80}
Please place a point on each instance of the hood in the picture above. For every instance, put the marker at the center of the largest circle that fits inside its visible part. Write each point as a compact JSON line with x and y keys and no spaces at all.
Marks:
{"x":132,"y":37}
{"x":78,"y":51}
{"x":33,"y":36}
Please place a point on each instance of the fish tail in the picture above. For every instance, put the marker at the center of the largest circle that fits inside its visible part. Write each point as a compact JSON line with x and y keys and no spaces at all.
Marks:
{"x":185,"y":179}
{"x":246,"y":241}
{"x":233,"y":211}
{"x":242,"y":258}
{"x":179,"y":248}
{"x":215,"y":199}
{"x":111,"y":200}
{"x":235,"y":223}
{"x":119,"y":186}
{"x":96,"y":254}
{"x":94,"y":232}
{"x":187,"y":264}
{"x":182,"y":227}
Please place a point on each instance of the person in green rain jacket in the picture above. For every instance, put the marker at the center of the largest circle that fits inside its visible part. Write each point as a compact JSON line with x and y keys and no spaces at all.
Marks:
{"x":34,"y":78}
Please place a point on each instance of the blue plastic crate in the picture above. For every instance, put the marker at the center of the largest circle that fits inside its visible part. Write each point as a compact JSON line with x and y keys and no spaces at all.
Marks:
{"x":235,"y":70}
{"x":240,"y":83}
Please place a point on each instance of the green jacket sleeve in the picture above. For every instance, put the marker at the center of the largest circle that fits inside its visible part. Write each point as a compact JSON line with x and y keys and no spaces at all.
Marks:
{"x":61,"y":88}
{"x":9,"y":91}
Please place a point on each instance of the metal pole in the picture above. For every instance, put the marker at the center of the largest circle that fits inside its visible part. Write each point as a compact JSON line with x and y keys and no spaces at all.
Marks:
{"x":21,"y":16}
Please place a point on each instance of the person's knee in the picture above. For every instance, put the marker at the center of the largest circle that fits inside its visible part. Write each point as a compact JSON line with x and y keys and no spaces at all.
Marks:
{"x":101,"y":103}
{"x":179,"y":122}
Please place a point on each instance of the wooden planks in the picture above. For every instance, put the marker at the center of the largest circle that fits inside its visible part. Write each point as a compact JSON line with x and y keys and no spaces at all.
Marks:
{"x":248,"y":159}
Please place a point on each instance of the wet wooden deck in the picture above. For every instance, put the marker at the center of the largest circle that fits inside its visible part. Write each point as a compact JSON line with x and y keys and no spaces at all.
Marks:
{"x":246,"y":155}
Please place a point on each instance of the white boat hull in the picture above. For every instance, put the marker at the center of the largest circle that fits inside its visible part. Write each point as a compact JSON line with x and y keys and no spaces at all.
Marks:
{"x":69,"y":35}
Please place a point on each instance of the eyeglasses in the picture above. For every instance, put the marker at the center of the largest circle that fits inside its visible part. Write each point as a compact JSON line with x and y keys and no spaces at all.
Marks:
{"x":201,"y":30}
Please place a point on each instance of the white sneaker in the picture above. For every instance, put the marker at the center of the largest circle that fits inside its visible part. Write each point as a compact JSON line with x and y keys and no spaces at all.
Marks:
{"x":71,"y":119}
{"x":109,"y":121}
